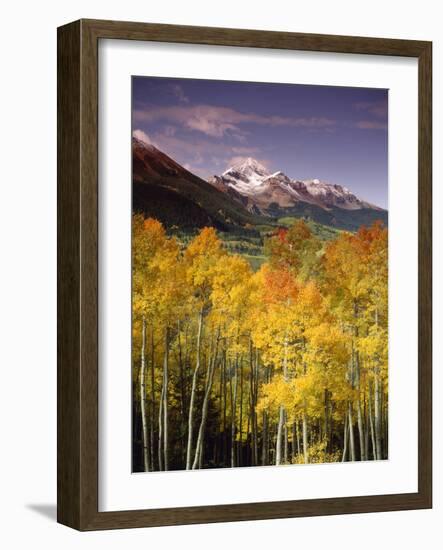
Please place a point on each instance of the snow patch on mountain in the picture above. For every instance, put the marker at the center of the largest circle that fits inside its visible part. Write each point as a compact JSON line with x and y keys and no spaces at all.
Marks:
{"x":245,"y":176}
{"x":251,"y":179}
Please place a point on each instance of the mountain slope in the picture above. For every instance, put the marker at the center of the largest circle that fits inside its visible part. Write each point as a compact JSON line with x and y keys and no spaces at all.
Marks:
{"x":243,"y":200}
{"x":163,"y":189}
{"x":278,"y":195}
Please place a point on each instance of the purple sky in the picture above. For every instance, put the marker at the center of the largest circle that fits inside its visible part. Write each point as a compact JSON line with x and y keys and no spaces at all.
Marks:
{"x":334,"y":134}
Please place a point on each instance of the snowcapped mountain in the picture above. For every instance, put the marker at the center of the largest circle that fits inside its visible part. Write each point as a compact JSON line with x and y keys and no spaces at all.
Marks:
{"x":260,"y":191}
{"x":164,"y":189}
{"x":242,"y":198}
{"x":246,"y":176}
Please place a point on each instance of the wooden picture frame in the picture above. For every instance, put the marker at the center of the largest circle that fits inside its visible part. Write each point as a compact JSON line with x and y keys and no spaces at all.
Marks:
{"x":78,"y":274}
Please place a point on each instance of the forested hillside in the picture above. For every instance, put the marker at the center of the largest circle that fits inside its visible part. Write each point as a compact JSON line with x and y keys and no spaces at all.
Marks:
{"x":284,"y":365}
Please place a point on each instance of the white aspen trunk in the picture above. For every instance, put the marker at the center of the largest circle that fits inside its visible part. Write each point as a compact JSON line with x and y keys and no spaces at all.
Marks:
{"x":180,"y":365}
{"x":361,"y":431}
{"x":264,"y":456}
{"x":297,"y":433}
{"x":183,"y":411}
{"x":377,"y":416}
{"x":371,"y":423}
{"x":278,"y":445}
{"x":193,"y":388}
{"x":325,"y":420}
{"x":160,"y":428}
{"x":382,"y":427}
{"x":281,"y":420}
{"x":360,"y":422}
{"x":345,"y":439}
{"x":143,"y":399}
{"x":351,"y":434}
{"x":254,"y":392}
{"x":305,"y":435}
{"x":152,"y":415}
{"x":233,"y":415}
{"x":285,"y":439}
{"x":165,"y":401}
{"x":377,"y":405}
{"x":201,"y":431}
{"x":366,"y":427}
{"x":240,"y":420}
{"x":225,"y":399}
{"x":294,"y":443}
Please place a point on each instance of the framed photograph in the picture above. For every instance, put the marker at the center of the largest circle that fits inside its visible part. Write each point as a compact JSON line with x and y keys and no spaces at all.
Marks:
{"x":244,"y":275}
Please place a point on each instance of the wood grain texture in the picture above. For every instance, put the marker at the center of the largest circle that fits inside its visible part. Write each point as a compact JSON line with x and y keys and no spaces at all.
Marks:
{"x":425,"y":273}
{"x":78,"y":272}
{"x":254,"y":38}
{"x":68,"y":276}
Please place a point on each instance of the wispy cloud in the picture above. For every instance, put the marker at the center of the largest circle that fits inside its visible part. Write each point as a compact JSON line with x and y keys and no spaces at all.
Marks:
{"x":371,"y":125}
{"x":170,"y":130}
{"x":180,"y":146}
{"x":199,"y":154}
{"x":379,"y":108}
{"x":179,"y":93}
{"x":218,"y":122}
{"x":375,"y":113}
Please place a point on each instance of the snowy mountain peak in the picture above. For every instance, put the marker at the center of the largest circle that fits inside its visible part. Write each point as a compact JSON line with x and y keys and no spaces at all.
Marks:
{"x":141,"y":143}
{"x":262,"y":189}
{"x":245,"y":176}
{"x":279,"y":176}
{"x":250,"y":165}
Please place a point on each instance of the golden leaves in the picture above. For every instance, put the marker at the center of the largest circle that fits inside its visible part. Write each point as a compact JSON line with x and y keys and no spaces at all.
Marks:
{"x":310,"y":313}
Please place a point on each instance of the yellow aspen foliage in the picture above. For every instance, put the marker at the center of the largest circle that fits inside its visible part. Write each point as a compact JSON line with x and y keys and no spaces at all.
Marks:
{"x":288,"y":364}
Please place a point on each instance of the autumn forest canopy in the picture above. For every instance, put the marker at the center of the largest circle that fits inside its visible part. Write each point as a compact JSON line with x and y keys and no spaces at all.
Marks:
{"x":233,"y":367}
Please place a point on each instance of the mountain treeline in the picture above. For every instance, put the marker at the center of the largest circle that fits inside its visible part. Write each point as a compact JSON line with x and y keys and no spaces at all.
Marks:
{"x":282,"y":366}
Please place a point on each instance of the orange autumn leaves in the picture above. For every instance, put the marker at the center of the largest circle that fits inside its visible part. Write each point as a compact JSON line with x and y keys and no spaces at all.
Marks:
{"x":309,"y":327}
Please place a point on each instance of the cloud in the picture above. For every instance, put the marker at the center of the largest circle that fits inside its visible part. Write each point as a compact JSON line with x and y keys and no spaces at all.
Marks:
{"x":170,"y":130}
{"x":211,"y":127}
{"x":377,"y":113}
{"x":179,"y":147}
{"x":222,"y":121}
{"x":248,"y":151}
{"x":377,"y":108}
{"x":142,"y":136}
{"x":200,"y":156}
{"x":179,"y":93}
{"x":371,"y":125}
